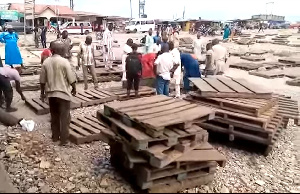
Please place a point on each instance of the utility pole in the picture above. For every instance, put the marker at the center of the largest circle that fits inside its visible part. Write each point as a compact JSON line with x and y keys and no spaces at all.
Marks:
{"x":72,"y":4}
{"x":183,"y":14}
{"x":29,"y":6}
{"x":142,"y":8}
{"x":130,"y":10}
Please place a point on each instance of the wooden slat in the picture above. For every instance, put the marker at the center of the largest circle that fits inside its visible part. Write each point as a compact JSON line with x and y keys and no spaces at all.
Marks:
{"x":85,"y":126}
{"x":85,"y":94}
{"x":79,"y":130}
{"x":219,"y":86}
{"x":234,"y":85}
{"x":252,"y":87}
{"x":39,"y":102}
{"x":146,"y":106}
{"x":202,"y":85}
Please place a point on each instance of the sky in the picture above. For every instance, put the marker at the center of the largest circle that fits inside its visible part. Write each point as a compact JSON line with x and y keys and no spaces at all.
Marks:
{"x":167,"y":9}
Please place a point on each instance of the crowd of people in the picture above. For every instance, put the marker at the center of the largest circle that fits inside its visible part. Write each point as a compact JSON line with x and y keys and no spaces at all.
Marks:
{"x":161,"y":61}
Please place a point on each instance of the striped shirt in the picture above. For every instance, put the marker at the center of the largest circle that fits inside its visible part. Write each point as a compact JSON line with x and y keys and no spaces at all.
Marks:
{"x":86,"y":54}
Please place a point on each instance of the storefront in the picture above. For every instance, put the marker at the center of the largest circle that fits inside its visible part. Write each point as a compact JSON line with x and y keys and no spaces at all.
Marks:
{"x":9,"y":15}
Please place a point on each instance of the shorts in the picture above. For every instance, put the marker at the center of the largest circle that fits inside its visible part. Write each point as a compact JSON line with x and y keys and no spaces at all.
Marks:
{"x":133,"y":79}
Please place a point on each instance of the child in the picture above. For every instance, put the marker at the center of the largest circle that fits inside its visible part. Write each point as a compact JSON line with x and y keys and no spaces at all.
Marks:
{"x":133,"y":70}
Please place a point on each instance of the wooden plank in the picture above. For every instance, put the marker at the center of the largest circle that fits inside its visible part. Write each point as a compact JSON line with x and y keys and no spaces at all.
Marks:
{"x":146,"y":106}
{"x":36,"y":107}
{"x":100,"y":93}
{"x":219,"y":86}
{"x":178,"y":118}
{"x":94,"y":95}
{"x":137,"y":102}
{"x":85,"y":94}
{"x":202,"y":85}
{"x":154,"y":110}
{"x":234,"y":85}
{"x":254,"y":88}
{"x":42,"y":104}
{"x":79,"y":130}
{"x":85,"y":123}
{"x":203,"y":156}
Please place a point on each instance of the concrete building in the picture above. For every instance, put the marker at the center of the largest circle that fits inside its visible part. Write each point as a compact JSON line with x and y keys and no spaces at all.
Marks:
{"x":270,"y":17}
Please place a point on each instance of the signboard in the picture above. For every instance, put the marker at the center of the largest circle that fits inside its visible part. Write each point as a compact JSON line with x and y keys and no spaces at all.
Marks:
{"x":9,"y":15}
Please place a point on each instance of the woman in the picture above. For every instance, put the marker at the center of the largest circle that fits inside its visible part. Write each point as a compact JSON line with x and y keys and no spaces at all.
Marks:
{"x":126,"y":50}
{"x":12,"y":51}
{"x":226,"y":32}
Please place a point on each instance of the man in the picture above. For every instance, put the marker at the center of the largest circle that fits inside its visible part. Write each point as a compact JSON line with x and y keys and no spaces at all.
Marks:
{"x":220,"y":57}
{"x":68,"y":44}
{"x":133,"y":70}
{"x":87,"y":55}
{"x":191,"y":69}
{"x":149,"y":42}
{"x":46,"y":53}
{"x":261,"y":27}
{"x":36,"y":31}
{"x":43,"y":36}
{"x":210,"y":66}
{"x":177,"y":74}
{"x":108,"y":56}
{"x":8,"y":74}
{"x":156,"y":37}
{"x":198,"y":47}
{"x":164,"y":68}
{"x":126,"y":50}
{"x":57,"y":74}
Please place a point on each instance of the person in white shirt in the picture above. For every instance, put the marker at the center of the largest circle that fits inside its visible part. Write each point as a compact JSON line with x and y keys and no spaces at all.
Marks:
{"x":108,"y":55}
{"x":149,"y":42}
{"x":126,"y":50}
{"x":220,"y":57}
{"x":86,"y":54}
{"x":157,"y":46}
{"x":198,"y":46}
{"x":177,"y":74}
{"x":164,"y":68}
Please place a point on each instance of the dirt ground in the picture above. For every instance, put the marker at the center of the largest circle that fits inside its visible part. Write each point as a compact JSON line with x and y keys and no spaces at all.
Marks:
{"x":86,"y":168}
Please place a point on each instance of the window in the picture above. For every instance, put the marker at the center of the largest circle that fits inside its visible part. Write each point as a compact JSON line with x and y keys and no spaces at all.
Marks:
{"x":150,"y":22}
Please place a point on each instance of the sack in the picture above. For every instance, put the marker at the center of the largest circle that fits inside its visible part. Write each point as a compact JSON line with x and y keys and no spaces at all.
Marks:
{"x":134,"y":64}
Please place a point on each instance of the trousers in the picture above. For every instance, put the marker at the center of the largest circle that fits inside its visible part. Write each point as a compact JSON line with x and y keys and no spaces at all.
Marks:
{"x":60,"y":119}
{"x":162,"y":86}
{"x":44,"y":42}
{"x":6,"y":90}
{"x":108,"y":57}
{"x":85,"y":70}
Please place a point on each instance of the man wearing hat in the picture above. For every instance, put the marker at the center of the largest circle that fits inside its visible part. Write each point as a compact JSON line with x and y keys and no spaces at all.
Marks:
{"x":12,"y":52}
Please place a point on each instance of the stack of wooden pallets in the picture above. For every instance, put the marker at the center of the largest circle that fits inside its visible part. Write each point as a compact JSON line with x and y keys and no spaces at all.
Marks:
{"x":158,"y":145}
{"x":243,"y":110}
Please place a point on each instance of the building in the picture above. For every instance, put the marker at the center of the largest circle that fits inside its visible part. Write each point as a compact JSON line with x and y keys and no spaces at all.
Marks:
{"x":45,"y":14}
{"x":269,"y":17}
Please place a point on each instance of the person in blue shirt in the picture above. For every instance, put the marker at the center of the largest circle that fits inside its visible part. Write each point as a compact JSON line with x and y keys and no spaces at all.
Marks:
{"x":191,"y":69}
{"x":156,"y":37}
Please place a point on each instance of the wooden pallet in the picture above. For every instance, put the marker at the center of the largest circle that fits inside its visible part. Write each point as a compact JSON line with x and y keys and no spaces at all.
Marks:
{"x":158,"y":113}
{"x":253,"y":58}
{"x":139,"y":140}
{"x":228,"y":88}
{"x":102,"y":78}
{"x":122,"y":92}
{"x":30,"y":85}
{"x":288,"y":108}
{"x":94,"y":97}
{"x":236,"y":130}
{"x":290,"y":60}
{"x":294,"y":82}
{"x":252,"y":107}
{"x":205,"y":158}
{"x":195,"y":172}
{"x":42,"y":108}
{"x":87,"y":129}
{"x":256,"y":66}
{"x":107,"y":72}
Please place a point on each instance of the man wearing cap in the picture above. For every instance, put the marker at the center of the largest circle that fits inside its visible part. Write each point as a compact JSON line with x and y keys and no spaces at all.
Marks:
{"x":12,"y":51}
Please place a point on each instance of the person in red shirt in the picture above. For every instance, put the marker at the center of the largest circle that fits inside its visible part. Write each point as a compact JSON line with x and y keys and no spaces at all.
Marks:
{"x":46,"y":53}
